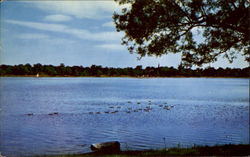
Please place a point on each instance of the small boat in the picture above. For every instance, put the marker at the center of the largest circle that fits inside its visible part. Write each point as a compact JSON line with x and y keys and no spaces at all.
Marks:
{"x":112,"y":146}
{"x":37,"y":75}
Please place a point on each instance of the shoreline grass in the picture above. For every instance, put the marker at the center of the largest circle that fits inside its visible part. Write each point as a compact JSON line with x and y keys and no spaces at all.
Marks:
{"x":120,"y":76}
{"x":217,"y":150}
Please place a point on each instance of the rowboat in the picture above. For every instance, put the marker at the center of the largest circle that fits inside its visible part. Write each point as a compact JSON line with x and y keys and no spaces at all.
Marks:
{"x":112,"y":146}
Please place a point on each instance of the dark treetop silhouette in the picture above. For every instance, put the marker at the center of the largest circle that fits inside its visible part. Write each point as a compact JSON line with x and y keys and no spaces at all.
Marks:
{"x":156,"y":27}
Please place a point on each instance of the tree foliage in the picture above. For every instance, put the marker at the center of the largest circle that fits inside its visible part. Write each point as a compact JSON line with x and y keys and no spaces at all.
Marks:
{"x":138,"y":71}
{"x":157,"y":27}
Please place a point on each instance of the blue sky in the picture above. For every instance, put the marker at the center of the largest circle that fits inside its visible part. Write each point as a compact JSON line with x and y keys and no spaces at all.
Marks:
{"x":73,"y":33}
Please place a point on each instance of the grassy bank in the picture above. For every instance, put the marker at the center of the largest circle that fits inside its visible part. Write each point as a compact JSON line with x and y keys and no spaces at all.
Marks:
{"x":223,"y":150}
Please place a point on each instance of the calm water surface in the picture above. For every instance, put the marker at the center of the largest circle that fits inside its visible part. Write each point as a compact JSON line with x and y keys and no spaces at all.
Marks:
{"x":139,"y":113}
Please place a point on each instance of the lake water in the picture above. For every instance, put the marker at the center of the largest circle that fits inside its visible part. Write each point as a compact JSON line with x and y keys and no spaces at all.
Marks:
{"x":139,"y":113}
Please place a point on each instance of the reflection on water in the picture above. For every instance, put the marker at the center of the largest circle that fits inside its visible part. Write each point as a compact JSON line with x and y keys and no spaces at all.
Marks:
{"x":66,"y":115}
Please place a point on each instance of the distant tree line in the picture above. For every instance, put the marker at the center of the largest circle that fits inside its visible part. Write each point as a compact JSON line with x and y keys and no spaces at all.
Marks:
{"x":138,"y":71}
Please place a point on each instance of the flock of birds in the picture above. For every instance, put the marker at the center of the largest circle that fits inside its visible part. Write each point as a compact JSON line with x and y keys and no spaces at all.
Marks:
{"x":50,"y":114}
{"x":115,"y":109}
{"x":148,"y":108}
